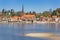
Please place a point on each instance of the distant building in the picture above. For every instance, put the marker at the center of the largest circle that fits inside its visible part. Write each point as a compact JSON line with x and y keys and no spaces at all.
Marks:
{"x":28,"y":17}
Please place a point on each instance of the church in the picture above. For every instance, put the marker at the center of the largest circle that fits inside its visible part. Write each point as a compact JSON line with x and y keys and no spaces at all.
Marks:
{"x":26,"y":16}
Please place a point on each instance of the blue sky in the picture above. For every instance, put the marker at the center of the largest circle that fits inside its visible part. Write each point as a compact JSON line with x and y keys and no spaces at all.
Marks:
{"x":30,"y":5}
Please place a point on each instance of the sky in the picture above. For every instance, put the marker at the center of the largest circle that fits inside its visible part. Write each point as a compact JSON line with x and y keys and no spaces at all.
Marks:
{"x":30,"y":5}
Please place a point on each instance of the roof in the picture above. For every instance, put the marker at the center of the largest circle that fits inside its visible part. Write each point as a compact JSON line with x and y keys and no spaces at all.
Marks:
{"x":15,"y":17}
{"x":28,"y":16}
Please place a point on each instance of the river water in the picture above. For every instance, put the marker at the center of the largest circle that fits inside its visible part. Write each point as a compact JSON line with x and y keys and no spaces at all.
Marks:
{"x":16,"y":31}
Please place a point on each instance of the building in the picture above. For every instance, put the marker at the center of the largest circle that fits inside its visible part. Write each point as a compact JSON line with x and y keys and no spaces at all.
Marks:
{"x":14,"y":19}
{"x":28,"y":17}
{"x":43,"y":18}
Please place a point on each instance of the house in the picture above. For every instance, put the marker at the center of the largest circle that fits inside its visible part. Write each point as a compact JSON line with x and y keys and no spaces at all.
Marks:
{"x":1,"y":18}
{"x":28,"y":17}
{"x":14,"y":18}
{"x":57,"y":19}
{"x":4,"y":19}
{"x":43,"y":18}
{"x":49,"y":19}
{"x":54,"y":18}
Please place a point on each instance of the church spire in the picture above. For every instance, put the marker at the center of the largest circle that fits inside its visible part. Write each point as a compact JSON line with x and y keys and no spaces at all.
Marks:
{"x":22,"y":11}
{"x":22,"y":8}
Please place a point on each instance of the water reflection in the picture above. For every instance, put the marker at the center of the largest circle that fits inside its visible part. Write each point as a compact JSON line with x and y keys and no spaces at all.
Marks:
{"x":17,"y":31}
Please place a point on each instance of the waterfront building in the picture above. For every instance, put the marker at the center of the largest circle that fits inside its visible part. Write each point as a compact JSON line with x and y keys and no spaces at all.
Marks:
{"x":28,"y":17}
{"x":14,"y":18}
{"x":1,"y":18}
{"x":57,"y":19}
{"x":43,"y":18}
{"x":49,"y":19}
{"x":54,"y":18}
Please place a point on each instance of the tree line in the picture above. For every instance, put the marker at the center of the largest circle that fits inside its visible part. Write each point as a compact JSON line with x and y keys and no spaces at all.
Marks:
{"x":49,"y":13}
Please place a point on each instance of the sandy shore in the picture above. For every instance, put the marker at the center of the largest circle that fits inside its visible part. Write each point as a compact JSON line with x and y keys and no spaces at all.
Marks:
{"x":39,"y":35}
{"x":43,"y":35}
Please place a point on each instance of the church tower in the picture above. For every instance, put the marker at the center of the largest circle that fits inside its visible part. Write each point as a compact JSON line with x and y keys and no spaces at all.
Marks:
{"x":22,"y":12}
{"x":22,"y":8}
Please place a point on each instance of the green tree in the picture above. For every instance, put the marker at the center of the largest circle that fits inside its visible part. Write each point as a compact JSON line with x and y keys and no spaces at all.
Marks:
{"x":3,"y":12}
{"x":26,"y":13}
{"x":34,"y":12}
{"x":18,"y":13}
{"x":58,"y":11}
{"x":12,"y":12}
{"x":30,"y":12}
{"x":46,"y":13}
{"x":8,"y":13}
{"x":37,"y":15}
{"x":54,"y":13}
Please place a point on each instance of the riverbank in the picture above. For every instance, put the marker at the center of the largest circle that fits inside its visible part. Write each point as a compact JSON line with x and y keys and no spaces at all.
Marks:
{"x":29,"y":22}
{"x":46,"y":22}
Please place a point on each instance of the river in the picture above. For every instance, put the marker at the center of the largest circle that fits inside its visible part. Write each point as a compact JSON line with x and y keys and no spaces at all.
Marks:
{"x":16,"y":31}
